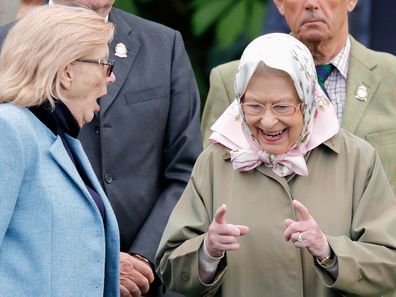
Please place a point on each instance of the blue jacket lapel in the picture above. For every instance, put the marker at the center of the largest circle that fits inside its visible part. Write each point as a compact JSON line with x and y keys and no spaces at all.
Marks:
{"x":112,"y":238}
{"x":77,"y":149}
{"x":79,"y":154}
{"x":61,"y":157}
{"x":58,"y":152}
{"x":126,"y":35}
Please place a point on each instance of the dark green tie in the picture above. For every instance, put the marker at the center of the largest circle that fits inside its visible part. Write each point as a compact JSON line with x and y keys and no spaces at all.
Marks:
{"x":323,"y":72}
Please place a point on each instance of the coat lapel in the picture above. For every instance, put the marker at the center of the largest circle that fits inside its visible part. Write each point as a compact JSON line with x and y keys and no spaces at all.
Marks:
{"x":126,"y":35}
{"x":58,"y":152}
{"x":61,"y":157}
{"x":359,"y":75}
{"x":79,"y":154}
{"x":111,"y":222}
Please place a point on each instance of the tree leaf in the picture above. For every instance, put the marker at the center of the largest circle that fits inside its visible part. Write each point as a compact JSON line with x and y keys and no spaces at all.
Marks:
{"x":207,"y":14}
{"x":231,"y":26}
{"x":258,"y":12}
{"x":126,"y":5}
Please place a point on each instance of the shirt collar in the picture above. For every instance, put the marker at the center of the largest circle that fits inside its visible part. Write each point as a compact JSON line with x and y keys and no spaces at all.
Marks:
{"x":341,"y":60}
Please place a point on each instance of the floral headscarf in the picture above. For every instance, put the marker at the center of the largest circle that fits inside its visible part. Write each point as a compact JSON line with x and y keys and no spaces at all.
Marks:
{"x":283,"y":52}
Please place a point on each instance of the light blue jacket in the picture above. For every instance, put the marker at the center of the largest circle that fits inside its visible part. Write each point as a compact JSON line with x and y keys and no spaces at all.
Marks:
{"x":52,"y":238}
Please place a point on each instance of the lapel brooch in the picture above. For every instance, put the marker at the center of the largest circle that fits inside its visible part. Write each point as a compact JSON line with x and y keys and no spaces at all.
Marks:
{"x":361,"y":93}
{"x":121,"y":50}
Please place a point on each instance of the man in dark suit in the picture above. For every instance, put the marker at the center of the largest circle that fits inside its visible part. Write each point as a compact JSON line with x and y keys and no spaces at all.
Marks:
{"x":144,"y":141}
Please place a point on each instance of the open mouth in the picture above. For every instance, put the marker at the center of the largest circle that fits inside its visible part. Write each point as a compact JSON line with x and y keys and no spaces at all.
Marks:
{"x":272,"y":136}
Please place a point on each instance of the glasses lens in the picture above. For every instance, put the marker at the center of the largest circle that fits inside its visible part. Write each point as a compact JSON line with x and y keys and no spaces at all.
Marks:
{"x":278,"y":109}
{"x":284,"y":109}
{"x":110,"y":67}
{"x":253,"y":109}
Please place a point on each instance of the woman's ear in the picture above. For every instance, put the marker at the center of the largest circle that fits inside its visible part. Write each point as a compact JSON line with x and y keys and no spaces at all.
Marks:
{"x":66,"y":77}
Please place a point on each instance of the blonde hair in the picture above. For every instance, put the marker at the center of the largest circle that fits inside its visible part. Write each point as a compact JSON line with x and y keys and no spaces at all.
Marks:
{"x":39,"y":47}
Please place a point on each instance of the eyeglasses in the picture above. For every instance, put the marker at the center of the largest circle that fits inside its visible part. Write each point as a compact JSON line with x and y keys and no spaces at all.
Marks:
{"x":280,"y":109}
{"x":106,"y":62}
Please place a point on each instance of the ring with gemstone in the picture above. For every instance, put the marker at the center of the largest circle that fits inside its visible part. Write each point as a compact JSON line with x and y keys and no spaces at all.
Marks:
{"x":300,"y":237}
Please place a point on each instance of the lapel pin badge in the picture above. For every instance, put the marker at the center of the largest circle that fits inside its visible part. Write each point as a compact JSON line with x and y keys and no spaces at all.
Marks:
{"x":361,"y":93}
{"x":121,"y":50}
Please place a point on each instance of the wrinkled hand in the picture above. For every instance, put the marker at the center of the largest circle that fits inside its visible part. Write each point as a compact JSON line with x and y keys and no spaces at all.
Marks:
{"x":135,"y":276}
{"x":308,"y":231}
{"x":221,"y":236}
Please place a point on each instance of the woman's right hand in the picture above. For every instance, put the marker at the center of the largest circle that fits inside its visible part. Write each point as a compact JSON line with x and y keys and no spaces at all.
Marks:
{"x":222,"y":236}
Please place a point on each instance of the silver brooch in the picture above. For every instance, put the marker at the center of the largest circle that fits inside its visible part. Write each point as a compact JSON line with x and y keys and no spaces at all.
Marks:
{"x":121,"y":50}
{"x":361,"y":93}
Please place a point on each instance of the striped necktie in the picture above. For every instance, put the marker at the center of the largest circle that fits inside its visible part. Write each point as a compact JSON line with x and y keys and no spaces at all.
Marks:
{"x":323,"y":72}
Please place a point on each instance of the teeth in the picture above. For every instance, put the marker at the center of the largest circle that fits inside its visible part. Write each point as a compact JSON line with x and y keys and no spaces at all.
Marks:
{"x":274,"y":134}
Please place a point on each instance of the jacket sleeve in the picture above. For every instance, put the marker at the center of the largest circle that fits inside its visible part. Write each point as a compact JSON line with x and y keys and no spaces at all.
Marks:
{"x":11,"y":173}
{"x":216,"y":103}
{"x":367,"y":260}
{"x":182,"y":146}
{"x":177,"y":256}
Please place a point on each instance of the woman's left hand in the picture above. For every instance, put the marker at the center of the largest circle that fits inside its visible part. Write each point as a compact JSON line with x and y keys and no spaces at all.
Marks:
{"x":306,"y":233}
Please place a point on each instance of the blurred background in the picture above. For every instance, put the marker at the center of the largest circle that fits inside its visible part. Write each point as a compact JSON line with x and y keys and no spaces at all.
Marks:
{"x":8,"y":10}
{"x":216,"y":31}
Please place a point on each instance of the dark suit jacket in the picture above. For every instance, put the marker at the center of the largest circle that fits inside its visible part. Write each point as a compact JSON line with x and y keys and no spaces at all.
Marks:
{"x":146,"y":138}
{"x":144,"y":142}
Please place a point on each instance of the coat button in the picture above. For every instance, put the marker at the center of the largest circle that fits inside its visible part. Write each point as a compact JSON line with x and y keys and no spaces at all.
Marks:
{"x":97,"y":129}
{"x":108,"y":178}
{"x":226,"y":155}
{"x":185,"y":276}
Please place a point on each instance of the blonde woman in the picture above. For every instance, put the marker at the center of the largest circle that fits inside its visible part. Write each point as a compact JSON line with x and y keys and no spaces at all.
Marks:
{"x":58,"y":233}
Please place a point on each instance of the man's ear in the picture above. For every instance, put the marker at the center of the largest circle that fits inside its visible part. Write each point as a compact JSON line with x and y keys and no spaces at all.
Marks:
{"x":66,"y":77}
{"x":279,"y":5}
{"x":351,"y":5}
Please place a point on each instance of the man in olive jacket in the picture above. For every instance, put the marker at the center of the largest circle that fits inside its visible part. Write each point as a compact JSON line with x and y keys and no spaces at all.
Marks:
{"x":369,"y":90}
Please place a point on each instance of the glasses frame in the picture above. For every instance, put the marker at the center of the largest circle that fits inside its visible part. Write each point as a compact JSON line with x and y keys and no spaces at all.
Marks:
{"x":271,"y":107}
{"x":107,"y":62}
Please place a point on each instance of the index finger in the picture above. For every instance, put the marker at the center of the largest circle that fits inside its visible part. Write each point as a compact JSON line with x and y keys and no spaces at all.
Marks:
{"x":220,"y":214}
{"x":302,"y":211}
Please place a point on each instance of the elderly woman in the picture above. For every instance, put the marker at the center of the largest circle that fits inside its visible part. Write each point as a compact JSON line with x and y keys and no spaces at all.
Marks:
{"x":58,"y":233}
{"x":317,"y":212}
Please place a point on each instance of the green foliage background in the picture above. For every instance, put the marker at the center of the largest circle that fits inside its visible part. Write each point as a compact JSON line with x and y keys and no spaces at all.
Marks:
{"x":214,"y":31}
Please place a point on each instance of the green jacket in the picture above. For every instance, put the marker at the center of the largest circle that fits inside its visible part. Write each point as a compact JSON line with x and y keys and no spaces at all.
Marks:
{"x":373,"y":120}
{"x":351,"y":200}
